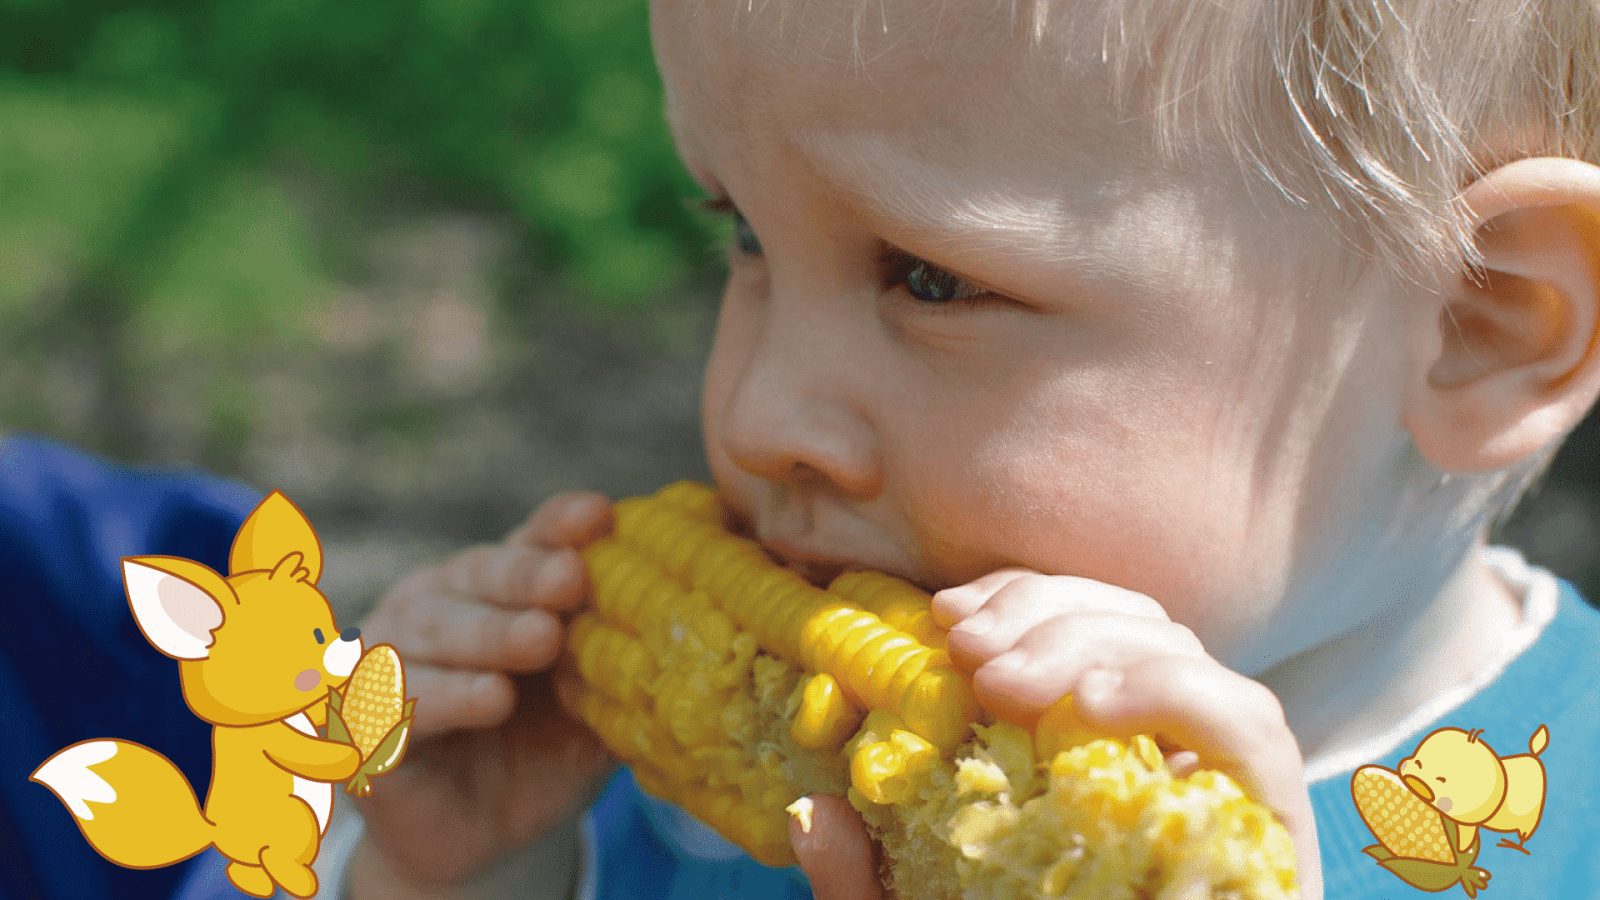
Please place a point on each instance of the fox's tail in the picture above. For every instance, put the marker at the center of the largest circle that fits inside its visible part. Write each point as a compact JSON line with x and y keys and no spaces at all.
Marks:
{"x":131,"y":803}
{"x":1539,"y":740}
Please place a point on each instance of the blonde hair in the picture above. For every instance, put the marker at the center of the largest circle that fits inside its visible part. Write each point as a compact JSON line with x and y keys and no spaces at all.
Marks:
{"x":1378,"y":111}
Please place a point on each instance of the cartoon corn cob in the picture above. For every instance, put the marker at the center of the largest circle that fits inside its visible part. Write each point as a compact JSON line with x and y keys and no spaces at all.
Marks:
{"x":373,"y":715}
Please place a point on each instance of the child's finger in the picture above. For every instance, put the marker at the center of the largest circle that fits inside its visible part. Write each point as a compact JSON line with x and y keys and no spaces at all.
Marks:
{"x":1023,"y":603}
{"x":953,"y":604}
{"x":461,"y":632}
{"x":836,"y":853}
{"x":568,"y":519}
{"x":451,"y":699}
{"x":1048,"y":661}
{"x":1233,"y":723}
{"x":517,"y":575}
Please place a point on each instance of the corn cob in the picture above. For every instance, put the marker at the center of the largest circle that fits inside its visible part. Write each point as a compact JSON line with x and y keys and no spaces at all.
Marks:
{"x":373,"y":715}
{"x":732,"y":687}
{"x":1401,"y":821}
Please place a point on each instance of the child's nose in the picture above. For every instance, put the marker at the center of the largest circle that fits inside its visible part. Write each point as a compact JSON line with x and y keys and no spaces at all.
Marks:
{"x":780,"y":425}
{"x":350,"y":634}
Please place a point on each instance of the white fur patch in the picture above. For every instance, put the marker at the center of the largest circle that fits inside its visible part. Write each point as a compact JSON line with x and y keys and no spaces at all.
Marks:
{"x":69,"y":776}
{"x":317,"y":794}
{"x":341,"y":657}
{"x":176,"y":616}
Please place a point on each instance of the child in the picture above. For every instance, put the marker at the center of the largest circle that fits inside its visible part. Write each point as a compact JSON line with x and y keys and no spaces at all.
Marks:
{"x":1186,"y":349}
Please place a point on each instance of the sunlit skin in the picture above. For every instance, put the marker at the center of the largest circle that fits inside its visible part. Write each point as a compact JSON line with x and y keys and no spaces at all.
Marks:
{"x":1158,"y":431}
{"x":1140,"y":394}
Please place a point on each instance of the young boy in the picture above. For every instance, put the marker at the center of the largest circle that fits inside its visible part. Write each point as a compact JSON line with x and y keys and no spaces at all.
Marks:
{"x":1187,"y":350}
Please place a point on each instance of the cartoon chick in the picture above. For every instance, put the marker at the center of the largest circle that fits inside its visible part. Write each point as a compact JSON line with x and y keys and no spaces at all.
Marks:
{"x":1459,"y":774}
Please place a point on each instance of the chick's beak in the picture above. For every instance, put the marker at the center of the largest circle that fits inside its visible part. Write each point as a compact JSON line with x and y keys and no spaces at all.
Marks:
{"x":1418,"y":787}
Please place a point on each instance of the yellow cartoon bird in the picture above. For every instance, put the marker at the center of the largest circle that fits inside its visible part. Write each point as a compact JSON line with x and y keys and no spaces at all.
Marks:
{"x":1461,"y":776}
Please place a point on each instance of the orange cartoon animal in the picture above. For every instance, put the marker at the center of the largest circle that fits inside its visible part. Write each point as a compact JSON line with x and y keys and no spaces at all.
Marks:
{"x":258,"y":652}
{"x":1460,"y":775}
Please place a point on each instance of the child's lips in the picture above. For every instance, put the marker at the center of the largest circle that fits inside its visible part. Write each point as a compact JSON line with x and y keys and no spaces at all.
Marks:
{"x":820,"y":569}
{"x":816,"y":568}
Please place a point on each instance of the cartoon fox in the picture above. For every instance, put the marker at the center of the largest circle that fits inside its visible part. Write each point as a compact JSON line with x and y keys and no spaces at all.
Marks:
{"x":258,"y":653}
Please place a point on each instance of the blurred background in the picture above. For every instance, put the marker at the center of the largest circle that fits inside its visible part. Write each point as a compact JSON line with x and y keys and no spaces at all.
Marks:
{"x":417,"y":263}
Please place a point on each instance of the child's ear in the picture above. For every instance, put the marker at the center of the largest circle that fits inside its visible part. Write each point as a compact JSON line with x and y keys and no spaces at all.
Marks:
{"x":1513,"y":364}
{"x":276,"y":529}
{"x":178,"y":603}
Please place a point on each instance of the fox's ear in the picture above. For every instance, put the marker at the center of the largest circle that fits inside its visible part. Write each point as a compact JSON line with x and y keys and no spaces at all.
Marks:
{"x":290,"y":568}
{"x":178,"y":603}
{"x":276,"y":529}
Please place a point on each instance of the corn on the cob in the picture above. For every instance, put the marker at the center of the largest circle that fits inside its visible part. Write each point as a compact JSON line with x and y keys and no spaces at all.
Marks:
{"x":373,"y":698}
{"x":732,"y":687}
{"x":372,"y":714}
{"x":1401,"y":821}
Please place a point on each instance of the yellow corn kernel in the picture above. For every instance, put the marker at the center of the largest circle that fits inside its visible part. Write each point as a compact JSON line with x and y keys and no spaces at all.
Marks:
{"x":1058,"y":729}
{"x":892,"y":600}
{"x":697,"y":499}
{"x":825,"y":719}
{"x":611,"y":658}
{"x":801,"y":809}
{"x":877,"y":770}
{"x":880,"y":769}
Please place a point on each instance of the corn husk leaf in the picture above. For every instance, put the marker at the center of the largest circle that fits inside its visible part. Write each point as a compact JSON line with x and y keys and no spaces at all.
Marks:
{"x":384,"y":757}
{"x":1428,"y":875}
{"x":337,"y":730}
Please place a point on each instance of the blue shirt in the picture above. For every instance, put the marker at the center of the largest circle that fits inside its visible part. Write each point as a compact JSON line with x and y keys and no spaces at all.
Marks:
{"x":73,"y":665}
{"x":1555,"y":683}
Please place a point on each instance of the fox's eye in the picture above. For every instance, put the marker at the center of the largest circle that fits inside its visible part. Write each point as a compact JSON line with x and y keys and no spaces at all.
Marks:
{"x":317,"y":633}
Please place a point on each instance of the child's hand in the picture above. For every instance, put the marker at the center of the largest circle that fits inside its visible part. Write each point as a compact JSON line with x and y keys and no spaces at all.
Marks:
{"x":494,"y":762}
{"x":1029,"y":639}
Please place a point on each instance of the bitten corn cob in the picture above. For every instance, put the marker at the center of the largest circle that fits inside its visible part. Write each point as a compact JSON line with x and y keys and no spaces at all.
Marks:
{"x":372,"y":714}
{"x":731,"y":686}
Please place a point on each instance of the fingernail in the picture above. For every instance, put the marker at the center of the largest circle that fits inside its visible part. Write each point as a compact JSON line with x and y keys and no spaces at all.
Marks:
{"x":978,"y":623}
{"x":1099,"y":684}
{"x":952,"y":598}
{"x":527,"y":628}
{"x":555,"y":569}
{"x":1009,"y":662}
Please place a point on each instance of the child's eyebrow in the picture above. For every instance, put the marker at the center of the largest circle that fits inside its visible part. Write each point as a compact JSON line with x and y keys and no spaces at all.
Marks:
{"x":1094,"y":237}
{"x":915,"y":200}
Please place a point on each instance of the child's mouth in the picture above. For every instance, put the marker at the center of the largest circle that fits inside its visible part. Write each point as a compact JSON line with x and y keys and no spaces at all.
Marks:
{"x":816,"y":574}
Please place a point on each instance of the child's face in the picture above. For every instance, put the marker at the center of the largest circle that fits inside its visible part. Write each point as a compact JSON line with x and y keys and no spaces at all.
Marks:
{"x":1149,"y":396}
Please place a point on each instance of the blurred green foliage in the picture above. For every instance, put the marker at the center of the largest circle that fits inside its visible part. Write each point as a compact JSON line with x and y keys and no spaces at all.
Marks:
{"x":145,"y":143}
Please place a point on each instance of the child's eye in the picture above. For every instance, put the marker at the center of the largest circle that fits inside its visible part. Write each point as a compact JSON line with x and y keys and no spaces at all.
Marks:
{"x":744,"y":237}
{"x":927,"y":282}
{"x":317,"y":633}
